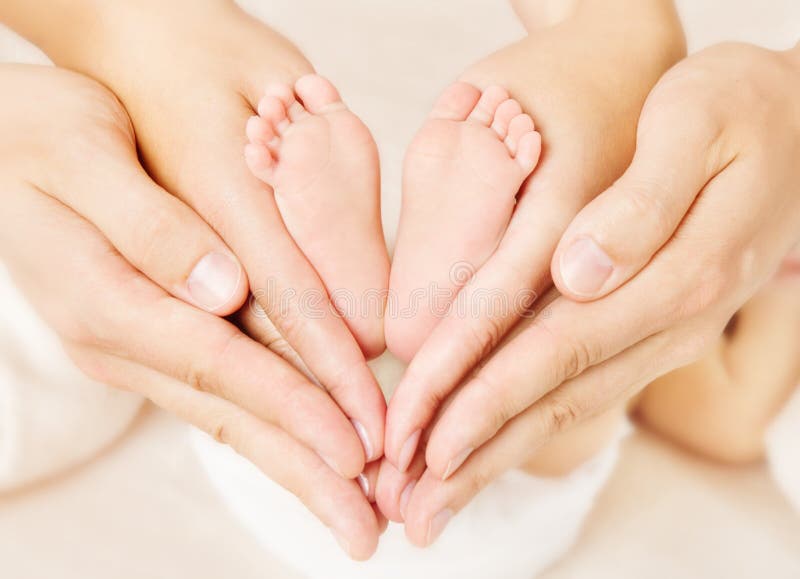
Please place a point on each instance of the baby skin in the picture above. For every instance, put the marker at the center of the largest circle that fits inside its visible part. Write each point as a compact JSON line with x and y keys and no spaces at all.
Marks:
{"x":461,"y":177}
{"x":322,"y":163}
{"x":721,"y":406}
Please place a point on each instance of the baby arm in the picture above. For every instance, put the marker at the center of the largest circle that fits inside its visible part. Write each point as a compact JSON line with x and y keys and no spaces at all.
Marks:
{"x":721,"y":406}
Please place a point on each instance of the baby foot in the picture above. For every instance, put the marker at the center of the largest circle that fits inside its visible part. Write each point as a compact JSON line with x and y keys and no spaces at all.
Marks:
{"x":461,"y":177}
{"x":322,"y":163}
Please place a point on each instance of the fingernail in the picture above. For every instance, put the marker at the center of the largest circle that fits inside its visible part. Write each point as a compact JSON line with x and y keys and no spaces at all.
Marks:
{"x":214,"y":281}
{"x":455,"y":463}
{"x":437,"y":525}
{"x":363,"y":482}
{"x":408,"y":450}
{"x":585,"y":267}
{"x":343,"y":542}
{"x":362,"y":434}
{"x":405,"y":496}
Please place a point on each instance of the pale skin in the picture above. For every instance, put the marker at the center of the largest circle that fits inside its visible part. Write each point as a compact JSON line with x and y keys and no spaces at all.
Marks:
{"x":595,"y":132}
{"x":721,"y":406}
{"x":462,"y":174}
{"x":212,"y":204}
{"x":726,"y":118}
{"x":578,"y":118}
{"x":181,"y":43}
{"x":55,"y":243}
{"x":518,"y":141}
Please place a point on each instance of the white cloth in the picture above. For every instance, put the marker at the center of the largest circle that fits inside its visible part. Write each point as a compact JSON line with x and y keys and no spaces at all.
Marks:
{"x":514,"y":529}
{"x":51,"y":416}
{"x":783,"y":450}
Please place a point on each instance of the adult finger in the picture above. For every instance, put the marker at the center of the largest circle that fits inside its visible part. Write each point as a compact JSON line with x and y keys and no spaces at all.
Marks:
{"x":337,"y":502}
{"x":434,"y":501}
{"x":564,"y":340}
{"x":127,"y":315}
{"x":368,"y":480}
{"x":720,"y":263}
{"x":394,"y":488}
{"x":256,"y":323}
{"x":243,"y":210}
{"x":621,"y":230}
{"x":157,"y":233}
{"x":484,"y":310}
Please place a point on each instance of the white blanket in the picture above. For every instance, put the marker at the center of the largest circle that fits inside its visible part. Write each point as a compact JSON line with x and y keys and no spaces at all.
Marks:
{"x":51,"y":416}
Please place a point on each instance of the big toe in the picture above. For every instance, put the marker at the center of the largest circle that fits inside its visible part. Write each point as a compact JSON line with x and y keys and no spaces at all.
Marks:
{"x":318,"y":94}
{"x":456,"y":102}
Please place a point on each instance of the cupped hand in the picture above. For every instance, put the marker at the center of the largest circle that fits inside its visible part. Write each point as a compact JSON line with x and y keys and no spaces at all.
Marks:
{"x":700,"y":220}
{"x":104,"y":254}
{"x":190,"y":76}
{"x":584,"y":86}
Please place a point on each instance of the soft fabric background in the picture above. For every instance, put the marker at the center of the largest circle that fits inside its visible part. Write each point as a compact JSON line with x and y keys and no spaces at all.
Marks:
{"x":144,"y":508}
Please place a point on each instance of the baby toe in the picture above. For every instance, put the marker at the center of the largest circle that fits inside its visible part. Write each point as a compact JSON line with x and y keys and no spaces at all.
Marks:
{"x":484,"y":111}
{"x":529,"y":149}
{"x":272,"y":110}
{"x":285,"y":93}
{"x":502,"y":118}
{"x":281,"y":91}
{"x":456,"y":102}
{"x":519,"y":126}
{"x":259,"y":160}
{"x":259,"y":131}
{"x":318,"y":94}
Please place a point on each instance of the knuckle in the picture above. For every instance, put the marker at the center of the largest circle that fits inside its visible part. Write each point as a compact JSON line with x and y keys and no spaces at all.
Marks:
{"x":574,"y":357}
{"x":101,"y":324}
{"x":202,"y":372}
{"x":292,"y":325}
{"x":226,"y":427}
{"x":499,"y":408}
{"x":219,"y":427}
{"x":102,"y":109}
{"x":646,"y":200}
{"x":342,"y":379}
{"x":426,"y":398}
{"x":481,"y":338}
{"x":683,"y":99}
{"x":96,"y":124}
{"x":561,"y":414}
{"x":710,"y":290}
{"x":432,"y":398}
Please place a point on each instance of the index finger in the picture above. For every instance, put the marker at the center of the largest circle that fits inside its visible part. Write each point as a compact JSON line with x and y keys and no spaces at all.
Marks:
{"x":337,"y":502}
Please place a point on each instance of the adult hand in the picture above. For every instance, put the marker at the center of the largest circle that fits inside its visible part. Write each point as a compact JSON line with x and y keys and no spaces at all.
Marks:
{"x":190,"y":76}
{"x":585,"y":90}
{"x":584,"y":81}
{"x":703,"y":216}
{"x":78,"y":232}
